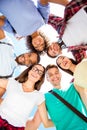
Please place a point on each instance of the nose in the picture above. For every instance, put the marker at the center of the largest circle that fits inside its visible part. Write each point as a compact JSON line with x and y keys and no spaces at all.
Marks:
{"x":21,"y":59}
{"x":26,"y":58}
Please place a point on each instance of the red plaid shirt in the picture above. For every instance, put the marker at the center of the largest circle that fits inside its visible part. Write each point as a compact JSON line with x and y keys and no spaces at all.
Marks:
{"x":79,"y":52}
{"x":4,"y":125}
{"x":60,"y":23}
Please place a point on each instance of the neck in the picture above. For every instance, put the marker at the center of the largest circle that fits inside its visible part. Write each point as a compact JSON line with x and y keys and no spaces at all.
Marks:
{"x":58,"y":86}
{"x":28,"y":86}
{"x":72,"y":67}
{"x":35,"y":34}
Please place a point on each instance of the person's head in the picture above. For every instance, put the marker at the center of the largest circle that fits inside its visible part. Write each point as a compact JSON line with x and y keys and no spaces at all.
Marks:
{"x":65,"y":63}
{"x":28,"y":59}
{"x":35,"y":74}
{"x":54,"y":50}
{"x":53,"y":75}
{"x":36,"y":42}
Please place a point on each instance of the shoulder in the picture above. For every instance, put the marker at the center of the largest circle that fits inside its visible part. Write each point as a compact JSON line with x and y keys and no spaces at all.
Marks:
{"x":40,"y":97}
{"x":12,"y":81}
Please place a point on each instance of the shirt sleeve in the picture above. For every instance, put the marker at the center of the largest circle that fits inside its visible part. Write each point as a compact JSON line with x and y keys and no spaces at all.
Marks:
{"x":44,"y":10}
{"x":11,"y":81}
{"x":41,"y":98}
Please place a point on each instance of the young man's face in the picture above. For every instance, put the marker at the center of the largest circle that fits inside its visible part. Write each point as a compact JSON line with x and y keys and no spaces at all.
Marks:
{"x":54,"y":76}
{"x":54,"y":49}
{"x":27,"y":59}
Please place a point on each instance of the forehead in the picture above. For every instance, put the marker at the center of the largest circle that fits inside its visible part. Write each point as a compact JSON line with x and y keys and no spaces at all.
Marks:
{"x":32,"y":54}
{"x":39,"y":67}
{"x":52,"y":70}
{"x":60,"y":58}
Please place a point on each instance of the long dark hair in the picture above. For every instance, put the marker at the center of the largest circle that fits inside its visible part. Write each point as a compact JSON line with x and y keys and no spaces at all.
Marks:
{"x":67,"y":70}
{"x":24,"y":76}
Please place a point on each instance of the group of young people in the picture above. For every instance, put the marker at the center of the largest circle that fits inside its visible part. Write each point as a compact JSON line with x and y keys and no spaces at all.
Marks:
{"x":22,"y":17}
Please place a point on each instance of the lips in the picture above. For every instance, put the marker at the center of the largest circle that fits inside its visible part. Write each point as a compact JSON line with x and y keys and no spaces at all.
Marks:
{"x":56,"y":79}
{"x":33,"y":75}
{"x":65,"y":63}
{"x":21,"y":59}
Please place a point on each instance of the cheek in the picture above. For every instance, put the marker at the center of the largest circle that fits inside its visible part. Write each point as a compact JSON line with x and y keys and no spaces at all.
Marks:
{"x":42,"y":41}
{"x":62,"y":66}
{"x":33,"y":42}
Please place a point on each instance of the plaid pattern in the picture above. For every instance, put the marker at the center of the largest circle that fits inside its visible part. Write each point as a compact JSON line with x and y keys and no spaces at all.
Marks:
{"x":55,"y":21}
{"x":4,"y":125}
{"x":79,"y":52}
{"x":60,"y":23}
{"x":71,"y":8}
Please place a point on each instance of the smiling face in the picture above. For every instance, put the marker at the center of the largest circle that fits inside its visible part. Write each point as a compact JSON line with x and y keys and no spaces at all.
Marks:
{"x":54,"y":76}
{"x":38,"y":43}
{"x":27,"y":59}
{"x":36,"y":73}
{"x":64,"y":62}
{"x":54,"y":49}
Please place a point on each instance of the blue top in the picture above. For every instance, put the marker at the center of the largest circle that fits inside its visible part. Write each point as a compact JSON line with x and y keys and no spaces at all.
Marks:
{"x":61,"y":115}
{"x":24,"y":16}
{"x":7,"y":27}
{"x":7,"y":59}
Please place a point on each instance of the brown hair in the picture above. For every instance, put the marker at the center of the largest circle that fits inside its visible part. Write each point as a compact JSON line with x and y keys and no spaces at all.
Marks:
{"x":24,"y":76}
{"x":38,"y":58}
{"x":31,"y":47}
{"x":50,"y":67}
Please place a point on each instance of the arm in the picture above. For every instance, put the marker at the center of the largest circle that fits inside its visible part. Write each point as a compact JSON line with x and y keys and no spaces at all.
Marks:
{"x":40,"y":116}
{"x":2,"y":91}
{"x":2,"y":20}
{"x":44,"y":116}
{"x":3,"y":83}
{"x":44,"y":9}
{"x":61,"y":2}
{"x":34,"y":123}
{"x":2,"y":34}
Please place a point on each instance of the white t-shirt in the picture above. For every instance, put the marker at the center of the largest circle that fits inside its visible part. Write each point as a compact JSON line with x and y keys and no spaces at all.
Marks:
{"x":7,"y":60}
{"x":76,"y":29}
{"x":18,"y":104}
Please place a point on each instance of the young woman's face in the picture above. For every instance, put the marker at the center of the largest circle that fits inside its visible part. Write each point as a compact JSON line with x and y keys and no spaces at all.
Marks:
{"x":36,"y":73}
{"x":54,"y":49}
{"x":64,"y":62}
{"x":38,"y":43}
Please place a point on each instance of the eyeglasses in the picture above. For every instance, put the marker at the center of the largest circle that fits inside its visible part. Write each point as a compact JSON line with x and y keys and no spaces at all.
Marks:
{"x":35,"y":69}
